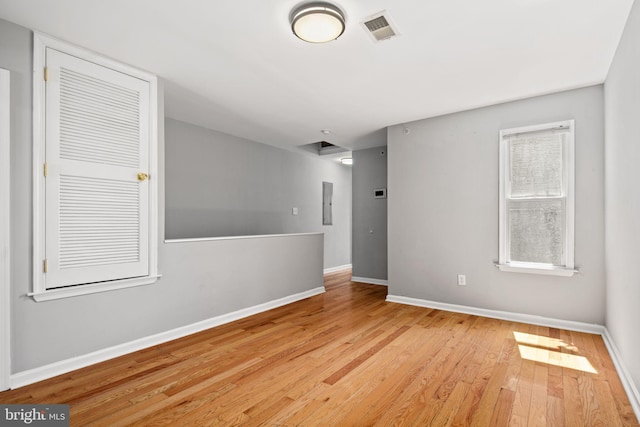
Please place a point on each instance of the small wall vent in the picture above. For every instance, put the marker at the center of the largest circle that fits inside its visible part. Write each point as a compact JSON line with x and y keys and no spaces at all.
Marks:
{"x":380,"y":26}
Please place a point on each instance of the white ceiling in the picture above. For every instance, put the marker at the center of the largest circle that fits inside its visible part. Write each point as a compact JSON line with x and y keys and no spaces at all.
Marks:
{"x":235,"y":66}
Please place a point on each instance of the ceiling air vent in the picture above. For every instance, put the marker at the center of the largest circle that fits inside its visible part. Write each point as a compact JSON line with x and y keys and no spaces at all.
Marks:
{"x":380,"y":26}
{"x":325,"y":147}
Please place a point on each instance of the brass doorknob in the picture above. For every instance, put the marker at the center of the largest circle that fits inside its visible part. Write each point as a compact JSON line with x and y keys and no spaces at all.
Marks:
{"x":142,"y":176}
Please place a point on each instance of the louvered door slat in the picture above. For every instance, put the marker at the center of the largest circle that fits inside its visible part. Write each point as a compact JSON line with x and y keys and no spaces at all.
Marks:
{"x":99,"y":121}
{"x":97,"y":210}
{"x":81,"y":203}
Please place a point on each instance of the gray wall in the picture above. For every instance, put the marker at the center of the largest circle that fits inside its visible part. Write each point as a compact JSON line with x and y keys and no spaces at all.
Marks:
{"x":200,"y":280}
{"x":221,"y":185}
{"x":16,"y":55}
{"x":443,"y":210}
{"x":622,"y":202}
{"x":369,"y":241}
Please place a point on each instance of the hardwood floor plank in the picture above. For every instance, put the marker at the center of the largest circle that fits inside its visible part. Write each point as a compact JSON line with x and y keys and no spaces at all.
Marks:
{"x":573,"y":412}
{"x":555,"y":411}
{"x":442,"y":374}
{"x":349,"y":358}
{"x":446,"y":415}
{"x":407,"y":383}
{"x":592,"y":411}
{"x":340,"y":373}
{"x":488,"y":354}
{"x":538,"y":410}
{"x":502,"y":411}
{"x":522,"y":400}
{"x":487,"y":403}
{"x":623,"y":406}
{"x":606,"y":403}
{"x":300,"y":408}
{"x":409,"y":369}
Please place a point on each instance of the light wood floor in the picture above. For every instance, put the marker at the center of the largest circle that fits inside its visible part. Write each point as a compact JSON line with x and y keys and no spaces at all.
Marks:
{"x":348,"y":358}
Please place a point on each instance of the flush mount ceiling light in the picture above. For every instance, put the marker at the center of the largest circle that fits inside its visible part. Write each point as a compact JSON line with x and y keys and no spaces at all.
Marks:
{"x":317,"y":22}
{"x":346,"y":161}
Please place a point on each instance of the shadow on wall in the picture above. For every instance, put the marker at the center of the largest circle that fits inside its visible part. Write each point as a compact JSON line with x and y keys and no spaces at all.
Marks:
{"x":218,"y":185}
{"x":197,"y":223}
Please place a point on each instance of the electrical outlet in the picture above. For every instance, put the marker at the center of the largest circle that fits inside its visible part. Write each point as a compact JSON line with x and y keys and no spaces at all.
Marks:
{"x":294,"y":211}
{"x":462,"y":280}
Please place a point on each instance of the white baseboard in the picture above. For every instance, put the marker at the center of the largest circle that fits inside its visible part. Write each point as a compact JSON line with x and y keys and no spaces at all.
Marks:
{"x":49,"y":371}
{"x":370,"y":281}
{"x":503,"y":315}
{"x":623,"y":373}
{"x":338,"y":268}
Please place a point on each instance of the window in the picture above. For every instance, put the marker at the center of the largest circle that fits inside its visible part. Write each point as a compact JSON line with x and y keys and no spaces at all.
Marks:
{"x":536,"y":199}
{"x":95,"y":148}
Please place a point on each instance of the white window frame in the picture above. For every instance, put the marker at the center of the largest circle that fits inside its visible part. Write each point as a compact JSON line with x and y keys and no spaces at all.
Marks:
{"x":40,"y":293}
{"x":568,"y":190}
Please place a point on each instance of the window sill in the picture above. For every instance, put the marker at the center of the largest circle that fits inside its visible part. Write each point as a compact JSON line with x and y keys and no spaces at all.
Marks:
{"x":537,"y":269}
{"x":72,"y":291}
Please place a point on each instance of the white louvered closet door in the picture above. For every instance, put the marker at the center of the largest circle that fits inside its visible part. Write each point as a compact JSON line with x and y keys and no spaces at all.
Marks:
{"x":97,"y":141}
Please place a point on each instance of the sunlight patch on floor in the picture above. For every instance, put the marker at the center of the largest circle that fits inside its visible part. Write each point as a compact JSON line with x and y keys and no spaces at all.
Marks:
{"x":547,"y":350}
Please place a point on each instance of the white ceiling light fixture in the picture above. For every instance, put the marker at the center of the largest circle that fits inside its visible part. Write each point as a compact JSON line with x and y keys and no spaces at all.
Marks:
{"x":317,"y":22}
{"x":346,"y":160}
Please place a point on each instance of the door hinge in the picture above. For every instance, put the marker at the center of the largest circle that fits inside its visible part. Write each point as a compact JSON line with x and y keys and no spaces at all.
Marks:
{"x":45,"y":169}
{"x":46,"y":74}
{"x":45,"y":266}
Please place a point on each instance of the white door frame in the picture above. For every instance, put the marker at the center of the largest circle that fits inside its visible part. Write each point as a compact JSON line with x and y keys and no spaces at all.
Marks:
{"x":5,"y":192}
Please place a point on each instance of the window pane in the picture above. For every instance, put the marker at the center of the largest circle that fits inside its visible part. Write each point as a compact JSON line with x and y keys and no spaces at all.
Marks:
{"x":536,"y":228}
{"x":536,"y":165}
